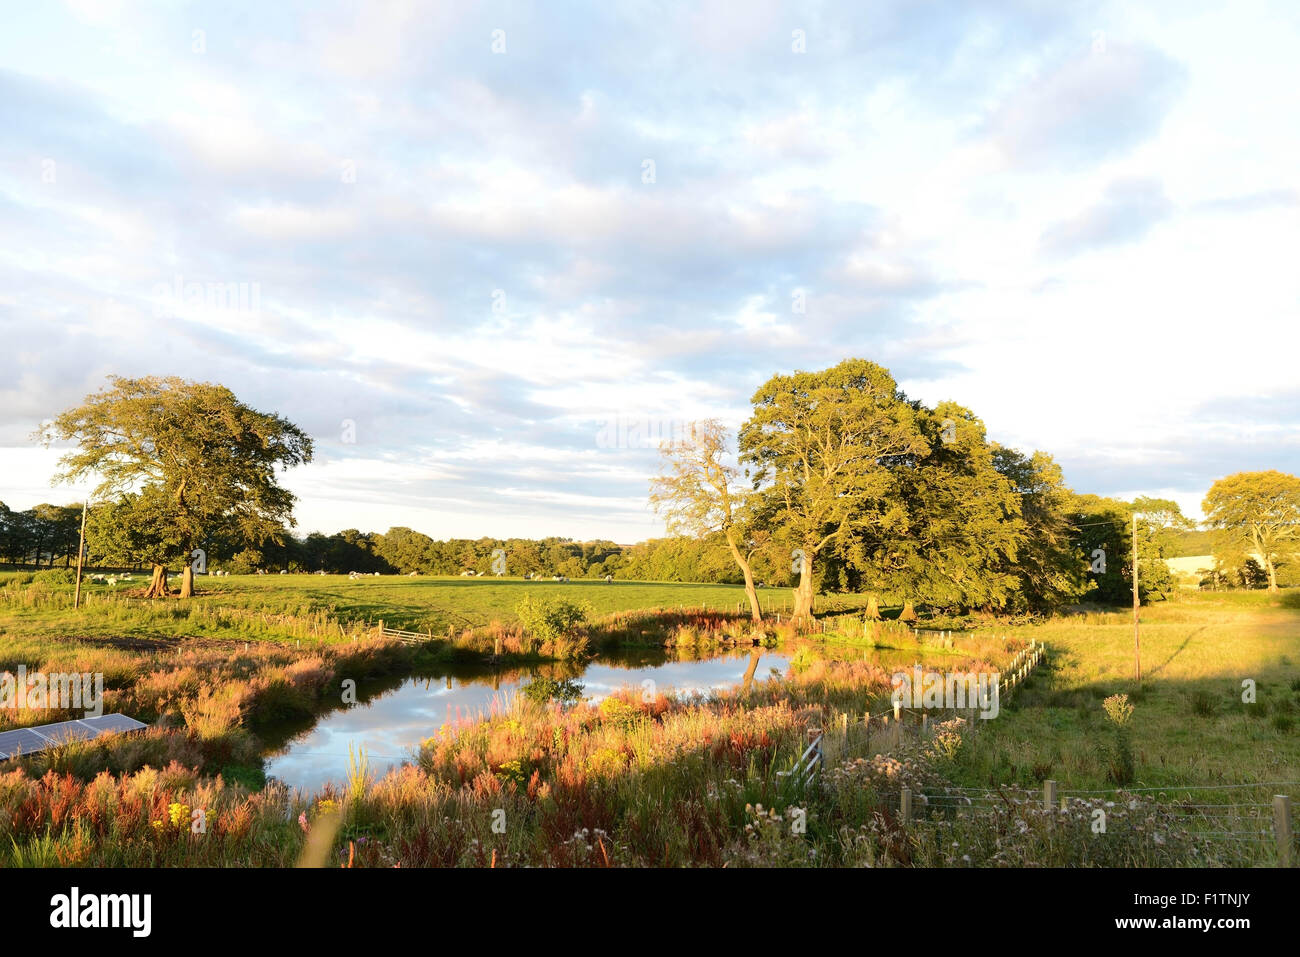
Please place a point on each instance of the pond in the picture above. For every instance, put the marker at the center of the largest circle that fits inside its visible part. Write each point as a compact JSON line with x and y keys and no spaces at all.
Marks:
{"x":391,"y":719}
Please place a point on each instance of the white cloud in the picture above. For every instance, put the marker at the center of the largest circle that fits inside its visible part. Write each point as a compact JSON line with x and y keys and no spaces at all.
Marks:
{"x":1092,"y":250}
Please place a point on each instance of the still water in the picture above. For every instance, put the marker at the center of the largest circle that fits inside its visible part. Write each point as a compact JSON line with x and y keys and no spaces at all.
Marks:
{"x":390,"y":720}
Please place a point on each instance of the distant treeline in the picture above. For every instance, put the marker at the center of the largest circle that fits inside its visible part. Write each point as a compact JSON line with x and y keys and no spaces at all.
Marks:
{"x":40,"y":537}
{"x":46,"y":536}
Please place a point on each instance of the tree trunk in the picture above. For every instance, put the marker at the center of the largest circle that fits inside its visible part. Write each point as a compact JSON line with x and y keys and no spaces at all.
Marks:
{"x":187,"y":582}
{"x":158,"y":585}
{"x":755,"y":609}
{"x":803,"y":593}
{"x":1272,"y":575}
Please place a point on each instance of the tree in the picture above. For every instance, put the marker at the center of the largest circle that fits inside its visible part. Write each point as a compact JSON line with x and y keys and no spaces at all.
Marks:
{"x":185,"y":461}
{"x":697,"y":495}
{"x":820,"y":444}
{"x":1258,"y":513}
{"x":1166,"y":521}
{"x":1104,"y":536}
{"x":961,"y":529}
{"x":1047,"y":563}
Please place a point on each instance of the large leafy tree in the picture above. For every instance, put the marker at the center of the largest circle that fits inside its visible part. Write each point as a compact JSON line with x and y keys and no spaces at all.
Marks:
{"x":698,"y":494}
{"x":819,"y":444}
{"x":962,"y":529}
{"x":181,"y":462}
{"x":1257,"y":513}
{"x":1047,"y":562}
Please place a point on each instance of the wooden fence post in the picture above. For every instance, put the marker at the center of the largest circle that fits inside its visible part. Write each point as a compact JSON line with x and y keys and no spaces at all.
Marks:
{"x":1282,"y":828}
{"x":905,"y":801}
{"x":1049,"y":794}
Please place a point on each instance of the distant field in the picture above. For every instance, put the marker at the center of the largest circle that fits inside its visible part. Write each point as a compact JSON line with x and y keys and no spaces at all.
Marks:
{"x":253,"y":605}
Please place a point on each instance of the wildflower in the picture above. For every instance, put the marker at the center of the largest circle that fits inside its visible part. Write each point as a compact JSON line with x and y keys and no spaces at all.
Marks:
{"x":1118,"y":709}
{"x":302,"y":822}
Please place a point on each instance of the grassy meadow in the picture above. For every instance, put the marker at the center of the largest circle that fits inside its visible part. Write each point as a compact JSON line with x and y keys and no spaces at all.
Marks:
{"x":326,"y":608}
{"x":1189,"y":726}
{"x":659,"y":780}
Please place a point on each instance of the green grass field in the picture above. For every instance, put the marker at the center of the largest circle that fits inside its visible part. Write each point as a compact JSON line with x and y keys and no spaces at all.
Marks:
{"x":318,"y":607}
{"x":1190,"y":724}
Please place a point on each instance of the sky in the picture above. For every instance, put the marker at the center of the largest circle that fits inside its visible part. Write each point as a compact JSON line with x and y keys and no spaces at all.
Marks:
{"x":487,"y":254}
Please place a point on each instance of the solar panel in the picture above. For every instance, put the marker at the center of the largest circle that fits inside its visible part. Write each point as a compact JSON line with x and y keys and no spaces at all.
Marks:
{"x":114,"y":722}
{"x":61,"y":732}
{"x":31,"y":740}
{"x":23,"y":741}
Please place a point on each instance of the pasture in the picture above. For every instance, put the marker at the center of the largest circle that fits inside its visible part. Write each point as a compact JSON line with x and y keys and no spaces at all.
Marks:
{"x":1190,"y":723}
{"x":321,"y":607}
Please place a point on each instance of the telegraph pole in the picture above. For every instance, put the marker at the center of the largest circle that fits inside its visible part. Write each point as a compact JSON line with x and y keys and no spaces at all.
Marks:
{"x":81,"y":552}
{"x":1137,"y":652}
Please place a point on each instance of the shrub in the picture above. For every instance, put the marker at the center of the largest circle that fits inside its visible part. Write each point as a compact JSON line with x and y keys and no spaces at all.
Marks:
{"x":554,"y":622}
{"x":56,"y":576}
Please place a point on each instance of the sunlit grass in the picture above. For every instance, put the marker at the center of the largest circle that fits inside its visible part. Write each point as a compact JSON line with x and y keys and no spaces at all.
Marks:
{"x":328,"y":609}
{"x":1190,"y":723}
